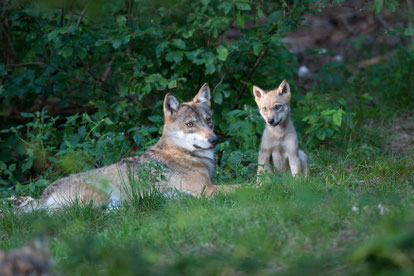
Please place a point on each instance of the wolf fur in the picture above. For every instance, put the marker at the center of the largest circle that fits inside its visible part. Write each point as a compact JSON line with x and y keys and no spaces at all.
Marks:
{"x":279,"y":147}
{"x":186,"y":149}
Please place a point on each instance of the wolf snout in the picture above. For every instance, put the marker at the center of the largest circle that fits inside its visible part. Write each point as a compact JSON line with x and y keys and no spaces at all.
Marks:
{"x":213,"y":140}
{"x":273,"y":122}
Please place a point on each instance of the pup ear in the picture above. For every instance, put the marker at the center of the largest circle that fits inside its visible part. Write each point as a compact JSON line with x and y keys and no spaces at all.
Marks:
{"x":203,"y":95}
{"x":258,"y":92}
{"x":171,"y":105}
{"x":284,"y":88}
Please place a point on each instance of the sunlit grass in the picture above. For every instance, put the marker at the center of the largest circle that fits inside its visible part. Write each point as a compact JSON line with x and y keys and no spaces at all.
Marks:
{"x":319,"y":224}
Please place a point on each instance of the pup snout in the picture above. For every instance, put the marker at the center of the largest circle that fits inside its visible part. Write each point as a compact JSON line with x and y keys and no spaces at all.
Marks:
{"x":274,"y":122}
{"x":213,"y":140}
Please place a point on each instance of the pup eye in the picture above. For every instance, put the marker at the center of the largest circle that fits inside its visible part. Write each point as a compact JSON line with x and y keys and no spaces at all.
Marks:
{"x":189,"y":124}
{"x":208,"y":120}
{"x":278,"y":106}
{"x":264,"y":108}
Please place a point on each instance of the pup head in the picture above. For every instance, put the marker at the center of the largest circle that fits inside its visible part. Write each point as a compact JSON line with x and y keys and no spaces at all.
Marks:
{"x":274,"y":105}
{"x":189,"y":125}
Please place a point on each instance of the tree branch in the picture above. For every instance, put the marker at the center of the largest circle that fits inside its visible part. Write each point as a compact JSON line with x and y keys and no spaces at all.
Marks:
{"x":70,"y":18}
{"x":62,"y":16}
{"x":81,"y":17}
{"x":256,"y":64}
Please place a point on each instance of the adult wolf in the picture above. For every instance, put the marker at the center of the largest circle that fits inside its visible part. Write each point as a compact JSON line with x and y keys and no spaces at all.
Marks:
{"x":186,"y":149}
{"x":279,"y":146}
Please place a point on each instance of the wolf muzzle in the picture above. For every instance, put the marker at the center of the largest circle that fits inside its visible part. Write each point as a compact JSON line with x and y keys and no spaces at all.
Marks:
{"x":214,"y":140}
{"x":273,"y":122}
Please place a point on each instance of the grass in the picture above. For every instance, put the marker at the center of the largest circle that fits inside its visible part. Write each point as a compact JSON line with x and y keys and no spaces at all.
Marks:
{"x":354,"y":215}
{"x":324,"y":225}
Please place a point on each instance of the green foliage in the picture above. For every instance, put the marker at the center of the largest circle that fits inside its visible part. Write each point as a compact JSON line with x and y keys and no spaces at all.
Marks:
{"x":325,"y":119}
{"x":46,"y":145}
{"x":120,"y":58}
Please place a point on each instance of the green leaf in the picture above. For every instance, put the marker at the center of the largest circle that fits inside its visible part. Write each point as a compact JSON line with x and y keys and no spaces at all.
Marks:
{"x":27,"y":165}
{"x":116,"y":43}
{"x":210,"y":69}
{"x":218,"y":97}
{"x":243,"y":6}
{"x":3,"y":165}
{"x":74,"y":139}
{"x":260,"y":13}
{"x":66,"y":52}
{"x":409,"y":32}
{"x":378,"y":4}
{"x":240,"y":20}
{"x":174,"y":56}
{"x":257,"y":48}
{"x":155,"y":119}
{"x":188,"y":34}
{"x":82,"y":131}
{"x":163,"y":82}
{"x":179,"y":44}
{"x":52,"y":35}
{"x":121,"y":20}
{"x":337,"y":118}
{"x":225,"y":6}
{"x":342,"y":101}
{"x":41,"y":183}
{"x":108,"y":121}
{"x":222,"y":53}
{"x":12,"y":167}
{"x":172,"y":84}
{"x":274,"y":16}
{"x":160,"y":48}
{"x":27,"y":115}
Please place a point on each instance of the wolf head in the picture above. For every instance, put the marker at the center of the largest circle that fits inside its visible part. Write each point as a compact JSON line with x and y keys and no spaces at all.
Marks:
{"x":189,"y":125}
{"x":274,"y":105}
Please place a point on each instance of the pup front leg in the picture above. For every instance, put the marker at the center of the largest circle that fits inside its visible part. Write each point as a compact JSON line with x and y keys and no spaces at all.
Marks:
{"x":263,"y":161}
{"x":295,"y":164}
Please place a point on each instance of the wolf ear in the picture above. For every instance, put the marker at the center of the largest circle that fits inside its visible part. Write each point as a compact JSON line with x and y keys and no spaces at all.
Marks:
{"x":284,"y":88}
{"x":203,"y":95}
{"x":171,"y":105}
{"x":258,"y":92}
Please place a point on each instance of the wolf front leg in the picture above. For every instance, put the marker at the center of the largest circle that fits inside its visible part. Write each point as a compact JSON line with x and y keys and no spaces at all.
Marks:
{"x":264,"y":164}
{"x":295,"y":164}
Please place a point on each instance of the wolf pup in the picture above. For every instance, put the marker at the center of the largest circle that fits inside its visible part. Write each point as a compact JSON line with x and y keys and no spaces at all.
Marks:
{"x":186,"y":149}
{"x":279,"y":146}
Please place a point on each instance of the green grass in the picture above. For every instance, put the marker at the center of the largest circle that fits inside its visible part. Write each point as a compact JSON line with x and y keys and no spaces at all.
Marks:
{"x":353,"y":215}
{"x":330,"y":223}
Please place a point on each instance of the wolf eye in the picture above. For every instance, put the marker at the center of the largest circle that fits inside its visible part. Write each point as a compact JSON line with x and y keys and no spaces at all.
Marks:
{"x":209,"y":120}
{"x":189,"y":124}
{"x":278,"y":106}
{"x":264,"y":108}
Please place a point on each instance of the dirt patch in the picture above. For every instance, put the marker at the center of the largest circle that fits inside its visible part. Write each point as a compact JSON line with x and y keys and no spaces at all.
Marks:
{"x":401,"y":134}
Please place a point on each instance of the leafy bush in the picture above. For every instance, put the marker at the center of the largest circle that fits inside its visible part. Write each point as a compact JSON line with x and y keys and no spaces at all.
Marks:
{"x":325,"y":119}
{"x":45,"y":147}
{"x":105,"y":66}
